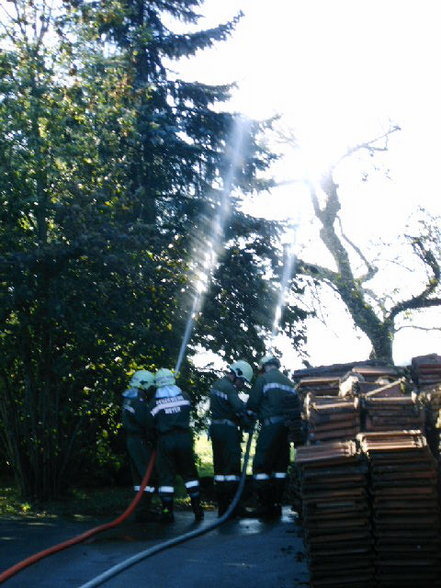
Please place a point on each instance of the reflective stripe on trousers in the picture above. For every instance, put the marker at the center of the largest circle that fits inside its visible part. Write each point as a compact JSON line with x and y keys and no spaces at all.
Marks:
{"x":226,"y":478}
{"x":166,"y":490}
{"x":274,"y":476}
{"x":148,"y":489}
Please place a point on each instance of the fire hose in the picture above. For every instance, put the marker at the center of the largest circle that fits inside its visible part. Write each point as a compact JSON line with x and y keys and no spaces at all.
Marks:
{"x":79,"y":538}
{"x":113,"y":571}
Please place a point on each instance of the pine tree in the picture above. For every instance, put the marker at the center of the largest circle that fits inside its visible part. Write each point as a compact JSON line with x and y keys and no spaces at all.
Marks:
{"x":110,"y":198}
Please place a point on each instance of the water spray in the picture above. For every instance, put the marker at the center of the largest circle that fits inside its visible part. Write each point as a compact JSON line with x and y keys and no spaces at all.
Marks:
{"x":216,"y":234}
{"x":289,"y":261}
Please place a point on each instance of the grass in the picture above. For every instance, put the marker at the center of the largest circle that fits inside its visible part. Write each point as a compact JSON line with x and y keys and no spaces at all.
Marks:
{"x":10,"y":503}
{"x":97,"y":502}
{"x":109,"y":501}
{"x":81,"y":503}
{"x":205,"y":455}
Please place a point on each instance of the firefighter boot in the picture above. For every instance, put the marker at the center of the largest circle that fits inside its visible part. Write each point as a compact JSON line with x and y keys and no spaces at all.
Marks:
{"x":143,"y":514}
{"x":222,"y":499}
{"x":167,"y":515}
{"x":239,"y":510}
{"x":279,"y":490}
{"x":265,"y":497}
{"x":197,"y":508}
{"x":264,"y":503}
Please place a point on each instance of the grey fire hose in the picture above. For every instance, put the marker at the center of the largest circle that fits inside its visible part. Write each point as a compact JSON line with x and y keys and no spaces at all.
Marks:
{"x":113,"y":571}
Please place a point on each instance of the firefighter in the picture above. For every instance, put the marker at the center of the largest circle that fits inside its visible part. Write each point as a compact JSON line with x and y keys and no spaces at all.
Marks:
{"x":227,"y":412}
{"x":271,"y":459}
{"x":170,"y":410}
{"x":140,"y":436}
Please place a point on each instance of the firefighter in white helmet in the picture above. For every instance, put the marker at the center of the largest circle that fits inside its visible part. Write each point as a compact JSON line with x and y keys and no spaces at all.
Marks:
{"x":227,"y":412}
{"x":140,"y":436}
{"x":271,"y":460}
{"x":170,"y":410}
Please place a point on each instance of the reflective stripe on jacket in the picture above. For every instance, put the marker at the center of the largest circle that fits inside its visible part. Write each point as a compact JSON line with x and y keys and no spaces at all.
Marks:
{"x":268,"y":392}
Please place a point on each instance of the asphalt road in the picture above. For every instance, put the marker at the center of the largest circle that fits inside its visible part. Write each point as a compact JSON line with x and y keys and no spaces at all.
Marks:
{"x":238,"y":553}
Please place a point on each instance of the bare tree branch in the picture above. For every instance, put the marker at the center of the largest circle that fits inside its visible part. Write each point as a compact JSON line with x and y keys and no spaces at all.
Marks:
{"x":359,"y":300}
{"x":316,"y":271}
{"x":423,"y":299}
{"x":418,"y":328}
{"x":371,"y":269}
{"x":370,"y":145}
{"x":414,"y":304}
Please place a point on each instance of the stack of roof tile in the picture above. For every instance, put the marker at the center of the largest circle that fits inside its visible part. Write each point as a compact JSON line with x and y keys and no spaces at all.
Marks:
{"x":426,"y":370}
{"x":388,"y":412}
{"x":426,"y":375}
{"x":376,"y":373}
{"x":338,"y":370}
{"x":406,"y":517}
{"x":349,"y":384}
{"x":331,"y":419}
{"x":335,"y":515}
{"x":430,"y":399}
{"x":381,"y":390}
{"x":324,"y":386}
{"x":363,"y":379}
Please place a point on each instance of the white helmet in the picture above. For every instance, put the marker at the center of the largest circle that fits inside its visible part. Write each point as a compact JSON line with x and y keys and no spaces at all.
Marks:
{"x":164,"y":377}
{"x":242,"y":369}
{"x":142,"y":379}
{"x":269,"y":360}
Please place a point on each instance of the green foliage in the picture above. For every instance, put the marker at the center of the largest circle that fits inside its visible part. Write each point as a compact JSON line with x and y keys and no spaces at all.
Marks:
{"x":204,"y":456}
{"x":10,"y":503}
{"x":109,"y":171}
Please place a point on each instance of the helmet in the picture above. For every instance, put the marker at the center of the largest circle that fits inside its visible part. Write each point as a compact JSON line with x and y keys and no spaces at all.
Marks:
{"x":242,"y":369}
{"x":164,"y":377}
{"x":269,"y":360}
{"x":142,"y":379}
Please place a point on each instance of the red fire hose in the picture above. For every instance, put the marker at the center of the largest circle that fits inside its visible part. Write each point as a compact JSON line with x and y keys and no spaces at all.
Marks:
{"x":79,"y":538}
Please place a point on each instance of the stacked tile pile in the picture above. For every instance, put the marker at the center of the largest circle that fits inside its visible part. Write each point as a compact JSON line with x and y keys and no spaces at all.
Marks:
{"x":392,"y":412}
{"x":395,"y":388}
{"x":384,"y":414}
{"x":331,"y":419}
{"x":349,"y":385}
{"x":335,"y":515}
{"x":430,"y":399}
{"x":363,"y":379}
{"x":405,"y":509}
{"x":426,"y":371}
{"x":325,"y":386}
{"x":338,"y":370}
{"x":426,"y":375}
{"x":376,"y":373}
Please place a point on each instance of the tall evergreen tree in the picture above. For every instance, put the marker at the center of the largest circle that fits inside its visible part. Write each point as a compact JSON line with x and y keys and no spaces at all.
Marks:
{"x":112,"y":174}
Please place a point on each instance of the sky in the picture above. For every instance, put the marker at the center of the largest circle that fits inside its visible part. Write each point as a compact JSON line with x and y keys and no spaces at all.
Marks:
{"x":339,"y":72}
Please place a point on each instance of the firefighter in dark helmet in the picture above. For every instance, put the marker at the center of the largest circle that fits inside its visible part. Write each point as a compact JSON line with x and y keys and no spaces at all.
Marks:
{"x":140,"y":436}
{"x":227,"y":411}
{"x":170,"y":410}
{"x":271,"y":460}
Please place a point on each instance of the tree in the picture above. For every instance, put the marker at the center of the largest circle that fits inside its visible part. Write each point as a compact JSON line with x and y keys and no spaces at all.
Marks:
{"x":182,"y":165}
{"x":65,"y":261}
{"x":375,"y":313}
{"x":239,"y":311}
{"x":109,"y":171}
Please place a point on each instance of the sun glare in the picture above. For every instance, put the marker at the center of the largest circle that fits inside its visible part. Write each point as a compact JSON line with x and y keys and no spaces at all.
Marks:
{"x":338,"y":73}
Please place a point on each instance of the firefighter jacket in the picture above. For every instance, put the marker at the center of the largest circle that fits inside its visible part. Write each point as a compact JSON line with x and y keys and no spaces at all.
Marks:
{"x":225,"y":403}
{"x":267,"y":395}
{"x":136,"y":417}
{"x":170,"y":409}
